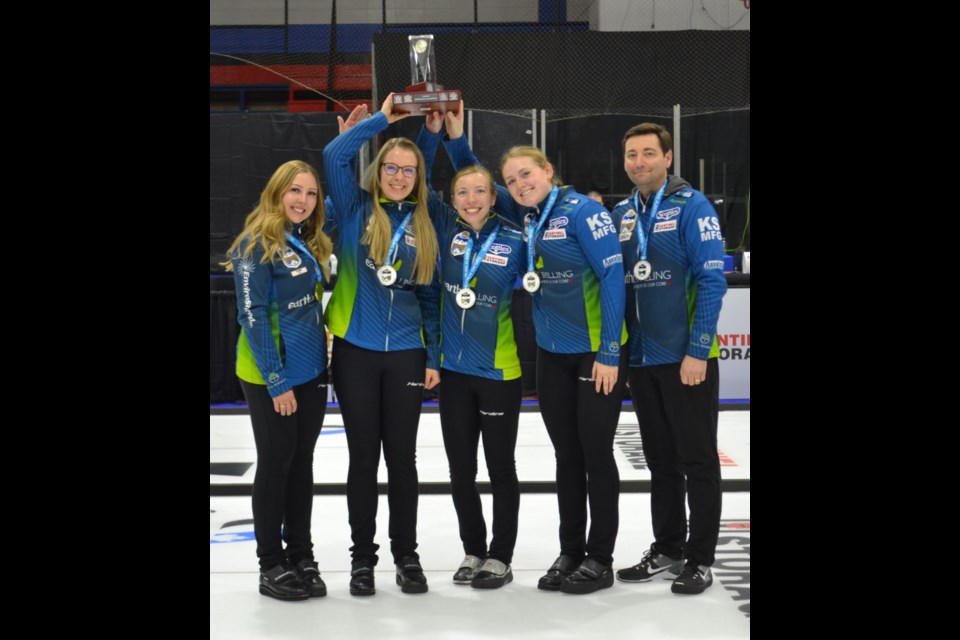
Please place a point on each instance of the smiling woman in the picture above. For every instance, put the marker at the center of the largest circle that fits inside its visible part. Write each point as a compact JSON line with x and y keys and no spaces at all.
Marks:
{"x":279,"y":261}
{"x":385,"y":317}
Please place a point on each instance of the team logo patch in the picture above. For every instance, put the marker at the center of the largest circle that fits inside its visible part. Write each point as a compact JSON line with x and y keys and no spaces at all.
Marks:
{"x":291,"y":259}
{"x":705,"y":339}
{"x":555,"y":234}
{"x":500,"y":249}
{"x":556,"y":223}
{"x":666,"y":214}
{"x":500,"y":261}
{"x":665,"y":226}
{"x":459,"y":244}
{"x":627,"y":223}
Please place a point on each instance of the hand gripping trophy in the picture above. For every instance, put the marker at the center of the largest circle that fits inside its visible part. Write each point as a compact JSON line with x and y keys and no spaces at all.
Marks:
{"x":424,"y":94}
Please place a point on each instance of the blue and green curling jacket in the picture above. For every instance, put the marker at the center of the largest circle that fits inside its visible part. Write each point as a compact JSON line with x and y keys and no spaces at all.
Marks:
{"x":361,"y":310}
{"x":580,"y":303}
{"x":478,"y":341}
{"x":282,"y":342}
{"x":673,"y":313}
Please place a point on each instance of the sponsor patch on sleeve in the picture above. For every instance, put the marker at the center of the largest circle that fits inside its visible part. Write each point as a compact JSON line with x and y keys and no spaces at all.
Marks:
{"x":614,"y":259}
{"x":665,"y":226}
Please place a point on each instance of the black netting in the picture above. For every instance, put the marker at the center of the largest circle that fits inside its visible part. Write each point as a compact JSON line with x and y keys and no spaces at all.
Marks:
{"x":580,"y":73}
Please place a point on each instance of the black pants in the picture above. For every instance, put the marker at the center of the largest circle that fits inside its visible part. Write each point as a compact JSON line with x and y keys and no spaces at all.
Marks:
{"x":678,"y":428}
{"x":380,"y":394}
{"x":283,"y":483}
{"x":581,"y":424}
{"x":471,"y":406}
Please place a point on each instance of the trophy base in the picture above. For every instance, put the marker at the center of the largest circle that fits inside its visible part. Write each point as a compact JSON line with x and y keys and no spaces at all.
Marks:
{"x":425,"y":97}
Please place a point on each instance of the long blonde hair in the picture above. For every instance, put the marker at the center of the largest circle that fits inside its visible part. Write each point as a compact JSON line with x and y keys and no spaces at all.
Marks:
{"x":267,"y":223}
{"x":377,"y":235}
{"x":526,"y":151}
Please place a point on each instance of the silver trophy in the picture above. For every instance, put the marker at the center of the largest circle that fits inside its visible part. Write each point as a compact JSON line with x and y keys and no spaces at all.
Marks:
{"x":424,"y":94}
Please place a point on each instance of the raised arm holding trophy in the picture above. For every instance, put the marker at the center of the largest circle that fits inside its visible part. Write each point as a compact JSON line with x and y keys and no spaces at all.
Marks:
{"x":424,"y":95}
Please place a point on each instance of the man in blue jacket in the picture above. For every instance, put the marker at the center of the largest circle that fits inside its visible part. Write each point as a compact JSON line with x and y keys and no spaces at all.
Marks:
{"x":673,"y":261}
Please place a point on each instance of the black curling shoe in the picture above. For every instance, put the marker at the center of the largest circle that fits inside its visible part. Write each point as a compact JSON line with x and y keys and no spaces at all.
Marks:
{"x":361,"y":579}
{"x":282,"y":582}
{"x":589,"y":576}
{"x":492,"y":574}
{"x":410,"y":576}
{"x":560,"y":569}
{"x":309,"y":573}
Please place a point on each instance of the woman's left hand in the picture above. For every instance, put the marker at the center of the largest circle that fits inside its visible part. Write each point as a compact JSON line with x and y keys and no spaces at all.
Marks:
{"x":285,"y":404}
{"x":434,"y":121}
{"x":431,"y":379}
{"x":605,"y":376}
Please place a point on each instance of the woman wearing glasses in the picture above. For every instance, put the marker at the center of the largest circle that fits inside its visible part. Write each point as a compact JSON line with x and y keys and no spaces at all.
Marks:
{"x":384,"y":315}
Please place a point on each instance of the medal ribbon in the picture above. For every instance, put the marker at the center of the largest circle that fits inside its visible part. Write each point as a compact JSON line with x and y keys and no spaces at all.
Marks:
{"x":643,"y":239}
{"x":532,"y":230}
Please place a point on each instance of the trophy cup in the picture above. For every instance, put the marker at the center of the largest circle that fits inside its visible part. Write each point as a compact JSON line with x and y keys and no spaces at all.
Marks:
{"x":424,"y":94}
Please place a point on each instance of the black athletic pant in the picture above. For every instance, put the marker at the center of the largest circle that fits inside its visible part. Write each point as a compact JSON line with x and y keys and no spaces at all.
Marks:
{"x":471,"y":406}
{"x":678,"y":428}
{"x":380,"y":394}
{"x":283,"y":483}
{"x":581,"y":424}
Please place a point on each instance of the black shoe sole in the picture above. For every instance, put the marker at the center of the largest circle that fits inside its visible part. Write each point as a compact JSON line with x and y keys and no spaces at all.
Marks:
{"x":318,"y":594}
{"x":283,"y":596}
{"x":411,"y":587}
{"x":691,"y":591}
{"x":494,"y":582}
{"x":362,"y":592}
{"x":580,"y":588}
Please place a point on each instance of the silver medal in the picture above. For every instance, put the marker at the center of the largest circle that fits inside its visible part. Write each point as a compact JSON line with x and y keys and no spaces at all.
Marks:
{"x":642,"y":270}
{"x":531,"y":281}
{"x":387,"y":275}
{"x":466,"y":298}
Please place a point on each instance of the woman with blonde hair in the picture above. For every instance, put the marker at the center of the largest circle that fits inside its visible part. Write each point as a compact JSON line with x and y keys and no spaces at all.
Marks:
{"x":384,"y":315}
{"x":279,"y":262}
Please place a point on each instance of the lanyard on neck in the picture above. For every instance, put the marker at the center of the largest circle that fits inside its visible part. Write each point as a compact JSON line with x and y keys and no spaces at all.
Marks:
{"x":533,"y":230}
{"x":643,"y":237}
{"x":306,"y":254}
{"x":470,"y":268}
{"x":392,"y":253}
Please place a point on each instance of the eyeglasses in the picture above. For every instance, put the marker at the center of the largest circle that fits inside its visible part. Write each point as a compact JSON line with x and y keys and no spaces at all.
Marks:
{"x":392,"y":169}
